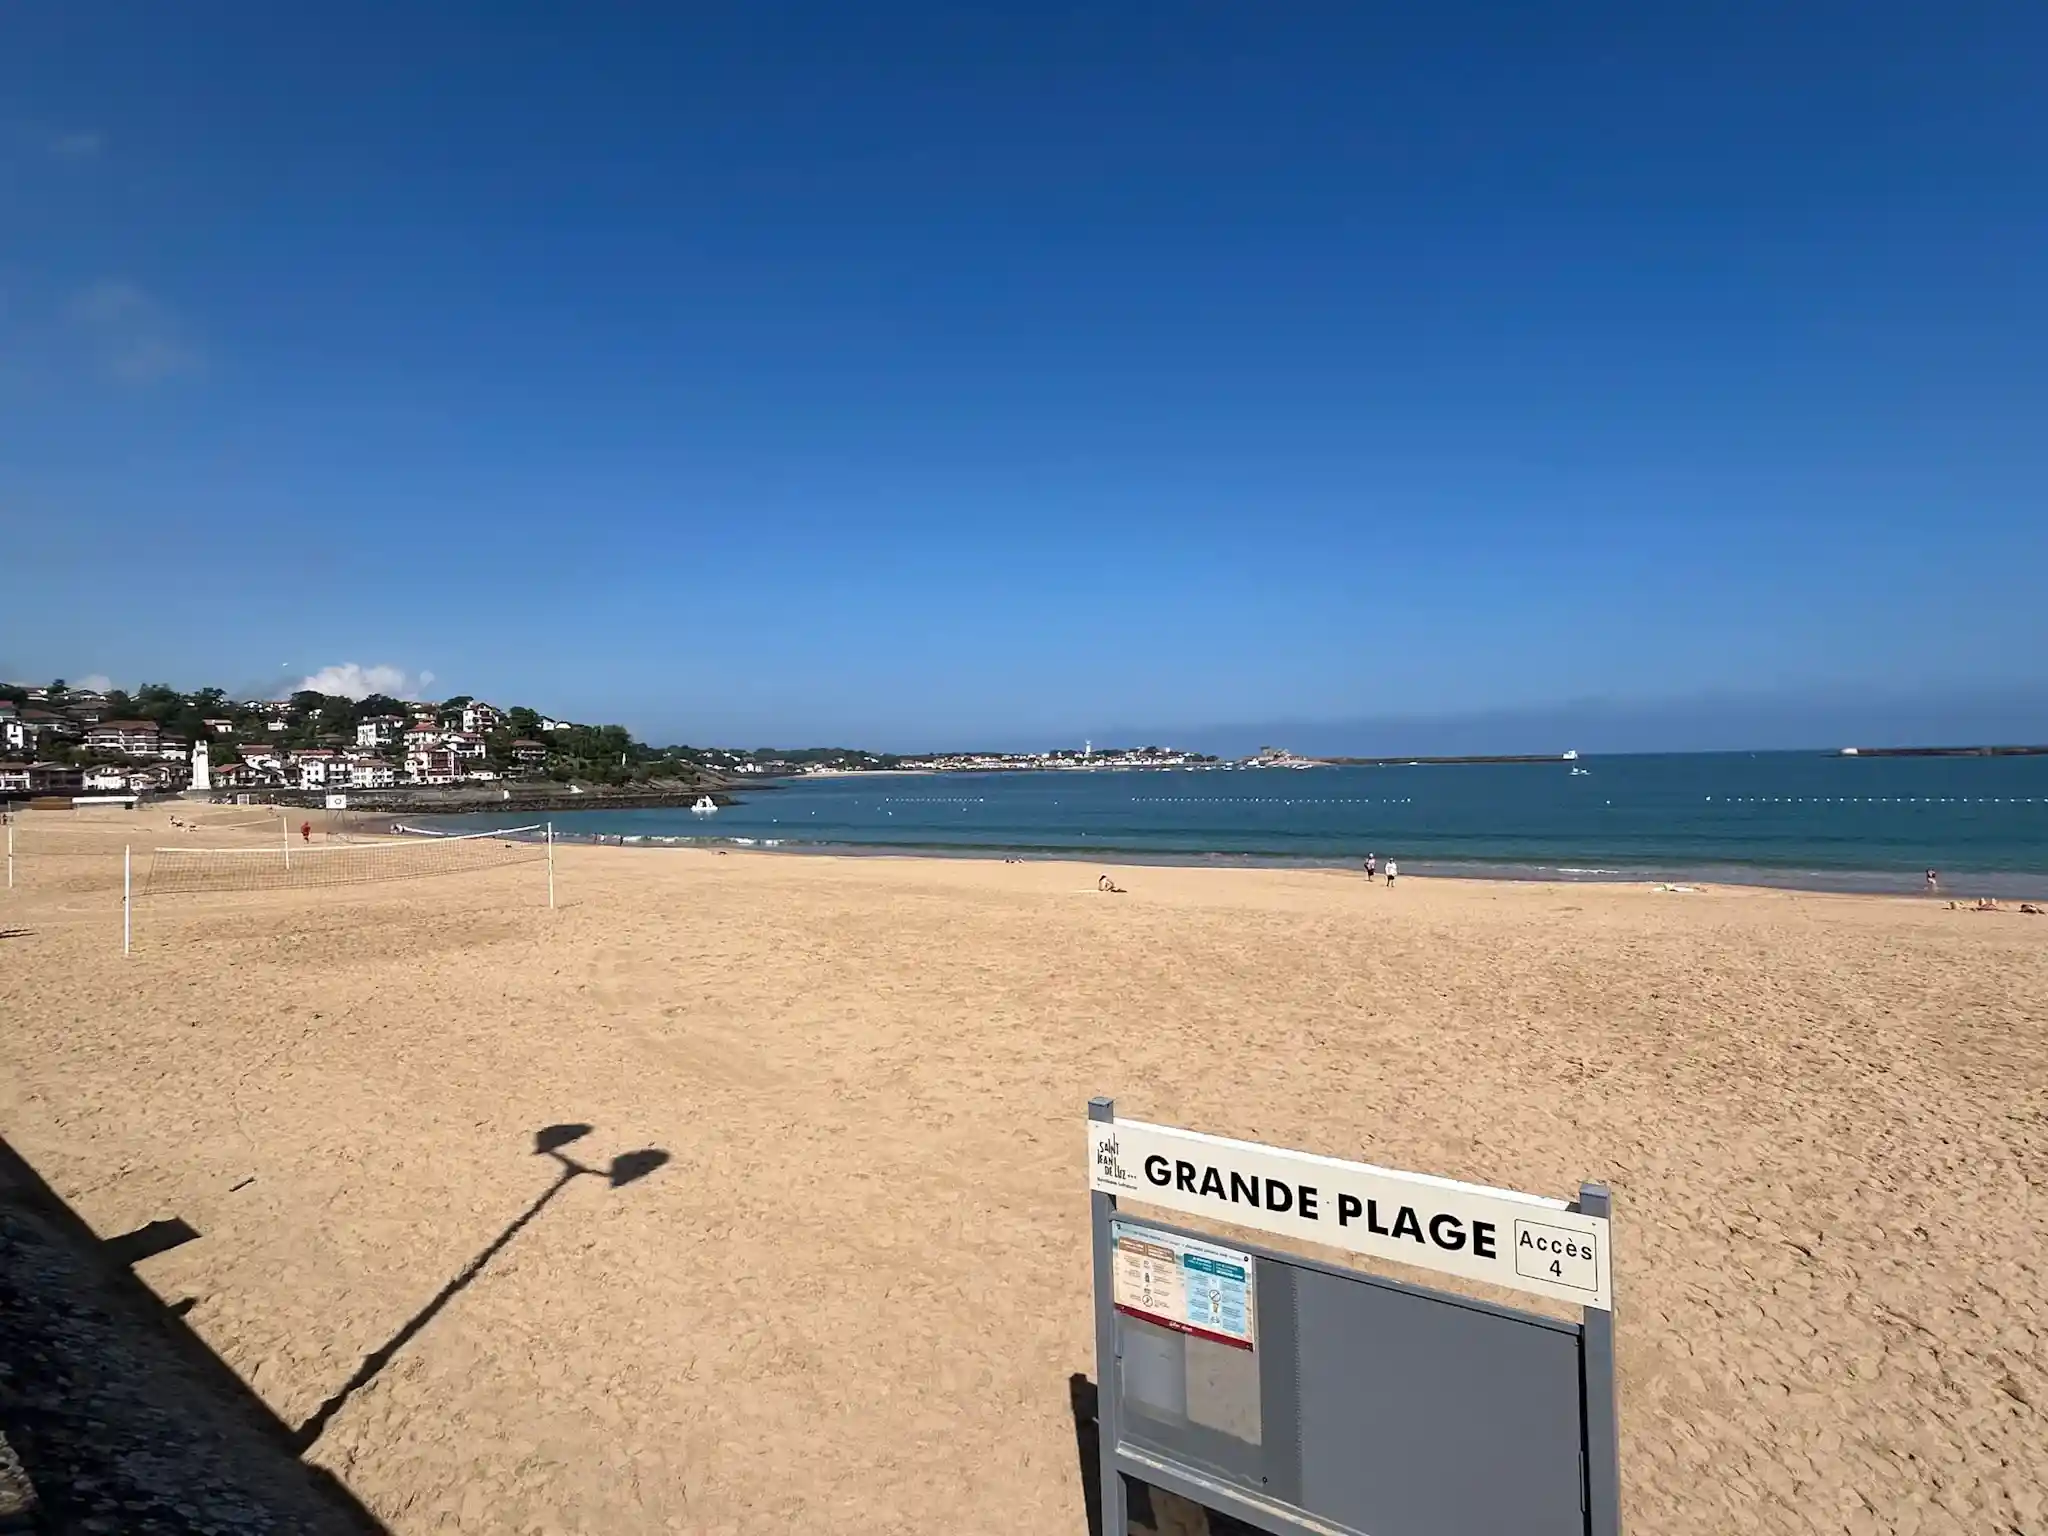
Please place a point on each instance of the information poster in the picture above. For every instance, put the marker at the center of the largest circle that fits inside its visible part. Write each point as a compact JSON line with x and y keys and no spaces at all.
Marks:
{"x":1183,"y":1284}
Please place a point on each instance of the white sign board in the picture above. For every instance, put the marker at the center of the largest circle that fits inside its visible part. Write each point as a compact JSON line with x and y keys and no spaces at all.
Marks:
{"x":337,"y":802}
{"x":1183,"y":1284}
{"x":1522,"y":1242}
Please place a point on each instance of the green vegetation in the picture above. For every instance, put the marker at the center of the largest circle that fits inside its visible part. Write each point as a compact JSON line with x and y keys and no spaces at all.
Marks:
{"x":516,"y":743}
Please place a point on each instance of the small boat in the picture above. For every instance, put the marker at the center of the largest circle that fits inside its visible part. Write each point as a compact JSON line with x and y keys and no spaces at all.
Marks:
{"x":705,"y":806}
{"x":1572,"y":756}
{"x":1578,"y":772}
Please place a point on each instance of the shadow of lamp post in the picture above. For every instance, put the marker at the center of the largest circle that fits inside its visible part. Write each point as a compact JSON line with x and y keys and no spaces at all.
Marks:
{"x":547,"y":1142}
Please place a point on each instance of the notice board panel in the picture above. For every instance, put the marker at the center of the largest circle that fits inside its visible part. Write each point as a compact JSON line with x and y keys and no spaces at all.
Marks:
{"x":1421,"y":1417}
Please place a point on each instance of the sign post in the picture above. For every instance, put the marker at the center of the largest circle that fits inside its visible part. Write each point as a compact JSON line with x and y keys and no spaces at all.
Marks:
{"x":1301,"y":1396}
{"x":1115,"y":1505}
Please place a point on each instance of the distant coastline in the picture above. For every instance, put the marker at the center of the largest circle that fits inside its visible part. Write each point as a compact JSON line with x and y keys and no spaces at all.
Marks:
{"x":1437,"y":762}
{"x":2040,"y":751}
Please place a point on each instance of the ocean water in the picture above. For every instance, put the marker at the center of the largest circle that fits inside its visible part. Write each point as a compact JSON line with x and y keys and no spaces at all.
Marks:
{"x":1780,"y":818}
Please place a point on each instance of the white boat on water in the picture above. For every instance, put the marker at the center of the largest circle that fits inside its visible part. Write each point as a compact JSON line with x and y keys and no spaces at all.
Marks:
{"x":1572,"y":756}
{"x":704,"y":807}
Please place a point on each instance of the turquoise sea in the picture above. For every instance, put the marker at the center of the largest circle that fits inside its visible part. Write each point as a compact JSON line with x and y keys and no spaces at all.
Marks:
{"x":1778,"y":818}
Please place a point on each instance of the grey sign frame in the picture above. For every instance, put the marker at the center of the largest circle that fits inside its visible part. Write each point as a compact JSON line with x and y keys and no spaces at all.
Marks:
{"x":1540,"y":1372}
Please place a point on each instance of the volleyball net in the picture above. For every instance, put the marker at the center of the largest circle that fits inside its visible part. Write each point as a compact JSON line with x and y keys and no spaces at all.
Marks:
{"x":316,"y":866}
{"x":241,"y":818}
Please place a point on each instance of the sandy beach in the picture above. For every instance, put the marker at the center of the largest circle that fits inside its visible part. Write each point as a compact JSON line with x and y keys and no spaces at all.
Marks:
{"x":854,"y":1296}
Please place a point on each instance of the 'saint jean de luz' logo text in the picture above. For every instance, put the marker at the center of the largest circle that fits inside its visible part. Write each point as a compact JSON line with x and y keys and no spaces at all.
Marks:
{"x":1109,"y":1165}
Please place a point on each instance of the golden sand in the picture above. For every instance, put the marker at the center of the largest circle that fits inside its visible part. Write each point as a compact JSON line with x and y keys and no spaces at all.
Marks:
{"x":854,"y":1297}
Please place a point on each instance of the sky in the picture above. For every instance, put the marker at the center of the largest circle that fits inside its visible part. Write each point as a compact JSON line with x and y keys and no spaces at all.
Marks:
{"x":922,"y":376}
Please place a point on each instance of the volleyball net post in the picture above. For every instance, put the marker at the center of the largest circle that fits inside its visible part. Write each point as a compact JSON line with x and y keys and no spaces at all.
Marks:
{"x":127,"y":899}
{"x":551,"y":866}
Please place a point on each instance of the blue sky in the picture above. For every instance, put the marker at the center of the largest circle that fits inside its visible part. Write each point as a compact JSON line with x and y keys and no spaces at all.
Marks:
{"x":899,"y":375}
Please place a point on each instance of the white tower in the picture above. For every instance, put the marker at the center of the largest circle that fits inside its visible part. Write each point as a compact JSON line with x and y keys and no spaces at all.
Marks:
{"x":202,"y":774}
{"x":1087,"y":749}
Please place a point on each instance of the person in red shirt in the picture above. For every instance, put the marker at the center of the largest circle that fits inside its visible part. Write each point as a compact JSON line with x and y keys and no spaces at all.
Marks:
{"x":306,"y":830}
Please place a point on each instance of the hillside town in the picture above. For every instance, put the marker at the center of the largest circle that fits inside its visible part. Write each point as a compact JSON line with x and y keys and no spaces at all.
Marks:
{"x":80,"y":741}
{"x":60,"y":740}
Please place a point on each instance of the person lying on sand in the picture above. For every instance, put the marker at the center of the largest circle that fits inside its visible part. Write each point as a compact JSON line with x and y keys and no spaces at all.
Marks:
{"x":1104,"y":883}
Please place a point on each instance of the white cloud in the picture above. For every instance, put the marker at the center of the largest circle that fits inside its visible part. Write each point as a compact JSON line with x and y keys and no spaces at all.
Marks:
{"x":135,"y":337}
{"x":96,"y":682}
{"x":353,"y":680}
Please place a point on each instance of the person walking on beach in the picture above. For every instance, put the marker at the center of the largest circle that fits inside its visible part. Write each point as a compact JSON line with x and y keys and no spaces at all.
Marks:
{"x":1933,"y":884}
{"x":1372,"y":865}
{"x":1393,"y":869}
{"x":306,"y":831}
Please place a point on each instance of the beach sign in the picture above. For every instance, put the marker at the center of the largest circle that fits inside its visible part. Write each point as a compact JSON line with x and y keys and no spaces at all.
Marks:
{"x":1307,"y":1397}
{"x":1529,"y":1243}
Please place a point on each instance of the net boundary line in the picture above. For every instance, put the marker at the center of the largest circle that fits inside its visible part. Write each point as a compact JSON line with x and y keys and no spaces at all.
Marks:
{"x":504,"y":833}
{"x":460,"y":837}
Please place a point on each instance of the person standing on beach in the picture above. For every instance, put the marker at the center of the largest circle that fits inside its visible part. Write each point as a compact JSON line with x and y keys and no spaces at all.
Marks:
{"x":1372,"y":865}
{"x":1393,"y":869}
{"x":306,"y":831}
{"x":1933,"y":884}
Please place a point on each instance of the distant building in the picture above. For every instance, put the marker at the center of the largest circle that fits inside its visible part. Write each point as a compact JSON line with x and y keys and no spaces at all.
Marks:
{"x":379,"y":730}
{"x":163,"y":777}
{"x":480,"y":719}
{"x":220,"y":727}
{"x":430,"y":765}
{"x":47,"y":722}
{"x":465,"y":745}
{"x":126,"y":738}
{"x":321,"y":770}
{"x":54,"y":778}
{"x":524,"y":751}
{"x":421,"y":737}
{"x":371,"y":773}
{"x":114,"y":780}
{"x":40,"y":778}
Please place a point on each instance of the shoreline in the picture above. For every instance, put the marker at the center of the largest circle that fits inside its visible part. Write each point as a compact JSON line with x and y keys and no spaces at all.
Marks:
{"x":2004,"y":885}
